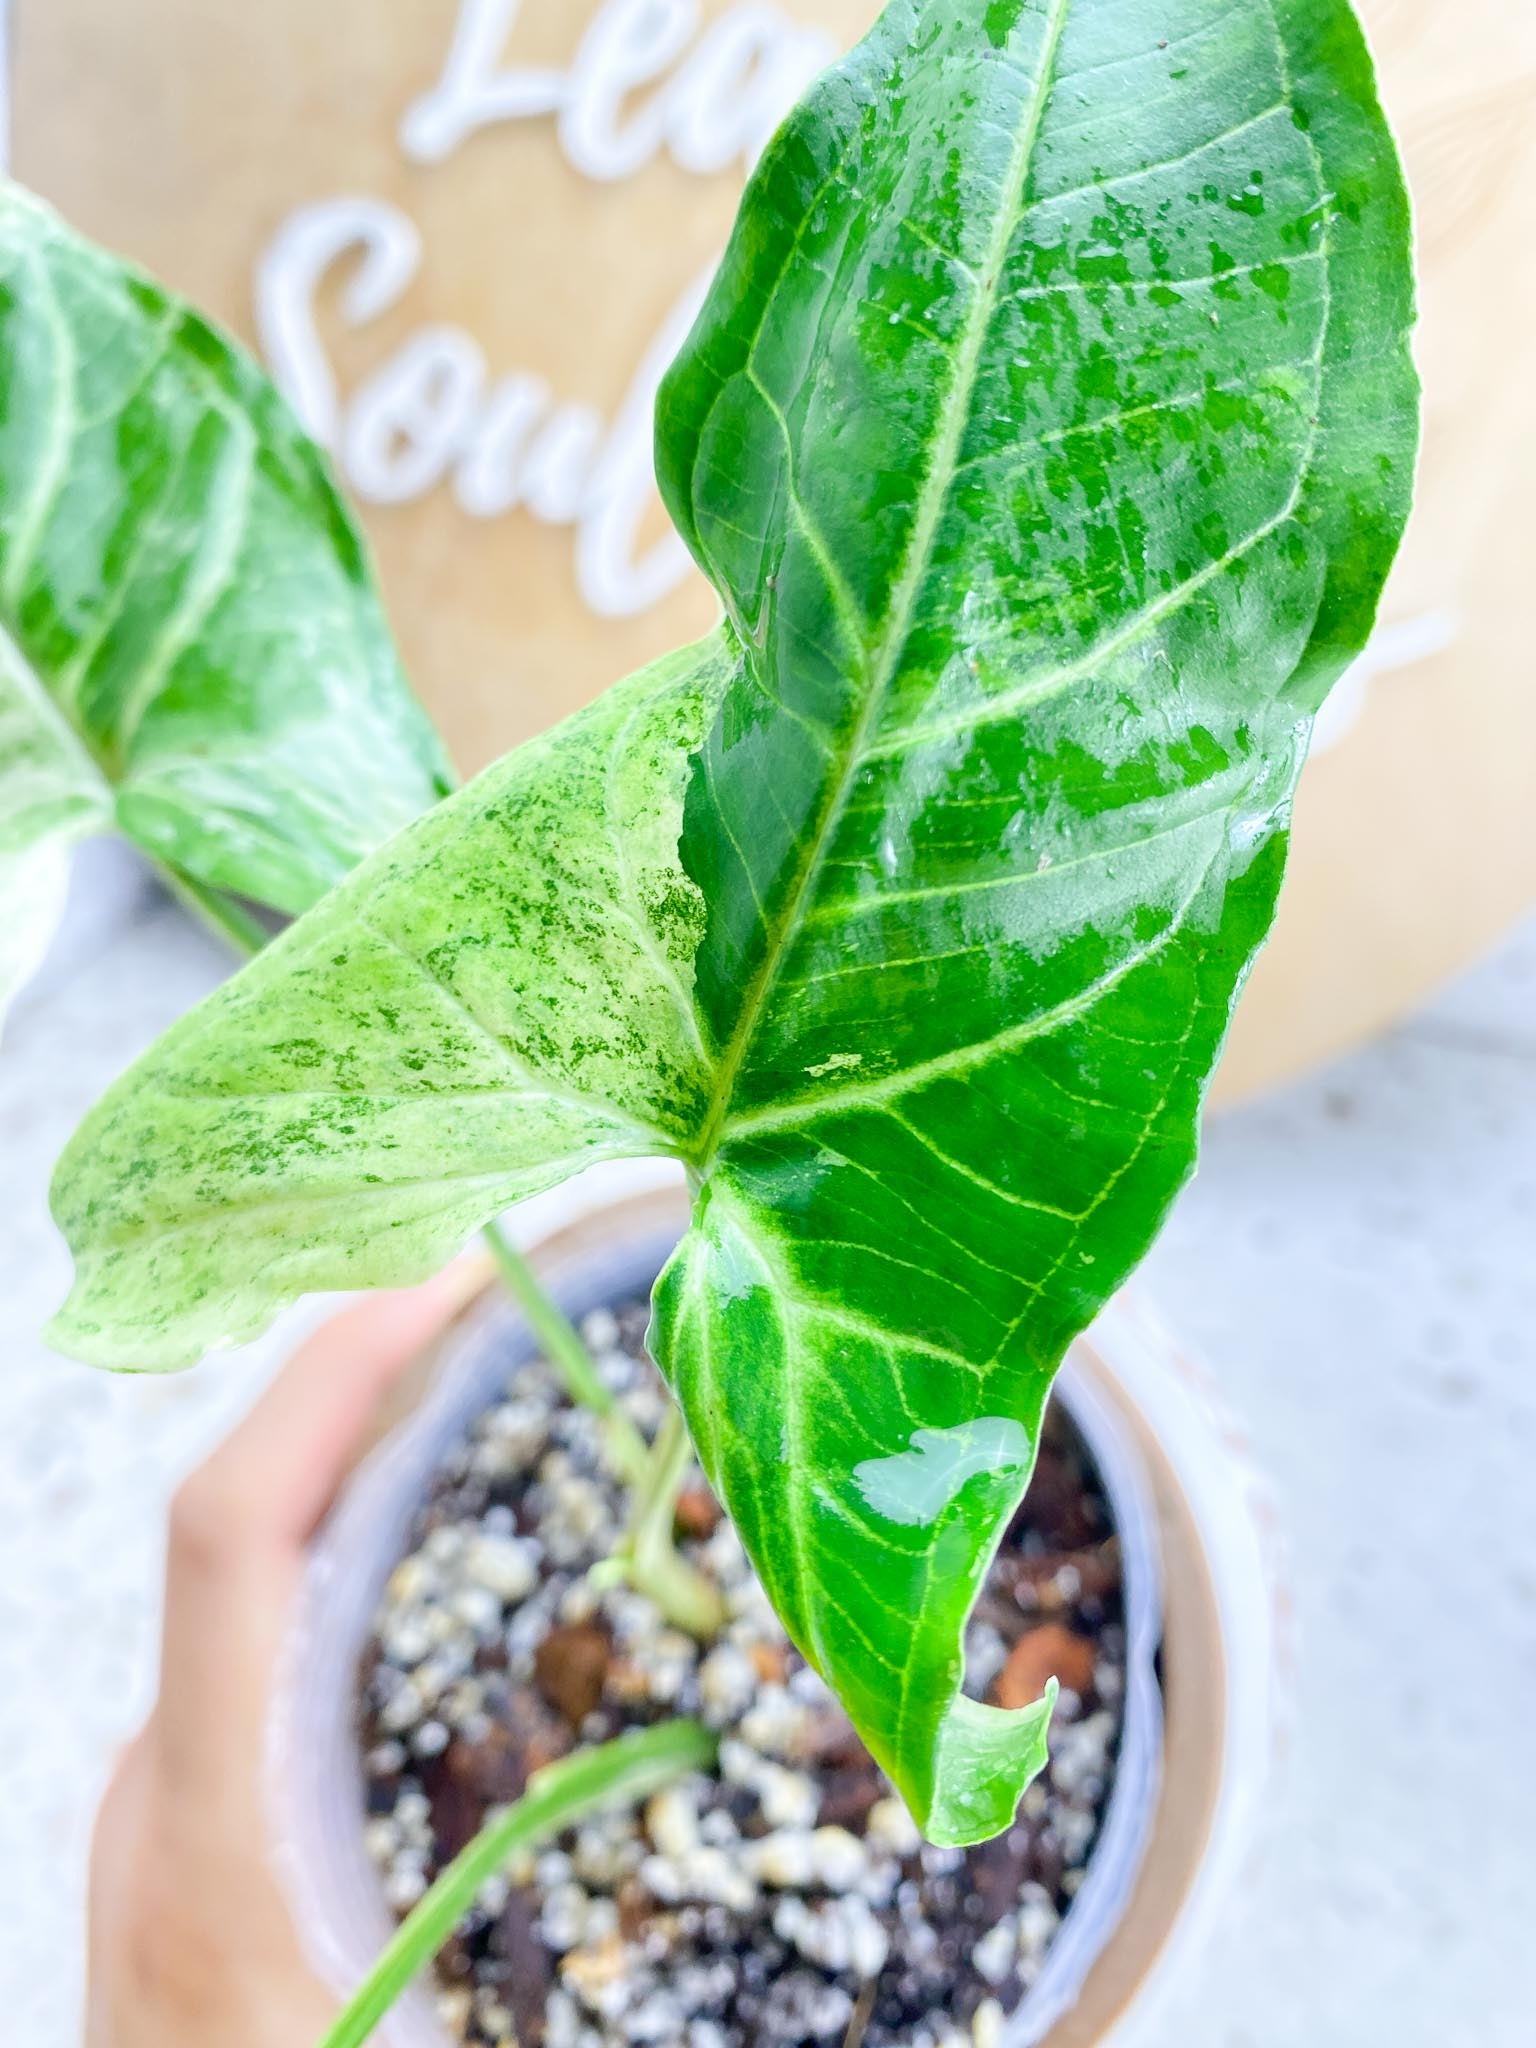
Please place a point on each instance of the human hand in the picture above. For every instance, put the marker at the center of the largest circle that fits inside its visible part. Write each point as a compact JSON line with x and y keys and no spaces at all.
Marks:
{"x":191,"y":1942}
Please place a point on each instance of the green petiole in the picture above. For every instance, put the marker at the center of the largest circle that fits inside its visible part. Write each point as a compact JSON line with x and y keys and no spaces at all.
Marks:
{"x":564,"y":1349}
{"x":688,"y":1599}
{"x":618,"y":1773}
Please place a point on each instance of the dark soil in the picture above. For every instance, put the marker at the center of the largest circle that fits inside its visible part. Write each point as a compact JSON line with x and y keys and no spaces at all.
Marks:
{"x":785,"y":1899}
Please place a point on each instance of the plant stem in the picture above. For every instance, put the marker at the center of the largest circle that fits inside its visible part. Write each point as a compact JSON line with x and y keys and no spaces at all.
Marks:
{"x":569,"y":1356}
{"x":654,"y":1474}
{"x":688,"y":1599}
{"x":225,"y":916}
{"x":616,"y":1773}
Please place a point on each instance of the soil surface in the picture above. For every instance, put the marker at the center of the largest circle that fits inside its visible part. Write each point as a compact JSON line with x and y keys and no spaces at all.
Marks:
{"x":785,"y":1900}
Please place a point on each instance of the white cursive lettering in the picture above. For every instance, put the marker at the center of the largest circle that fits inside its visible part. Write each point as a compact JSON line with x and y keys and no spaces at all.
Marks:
{"x":430,"y":414}
{"x":720,"y":105}
{"x":288,"y":275}
{"x":410,"y":421}
{"x":648,"y":76}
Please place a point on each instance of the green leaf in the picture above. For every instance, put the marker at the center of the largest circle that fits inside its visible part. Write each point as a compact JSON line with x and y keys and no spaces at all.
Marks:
{"x":193,"y":642}
{"x":1048,"y":436}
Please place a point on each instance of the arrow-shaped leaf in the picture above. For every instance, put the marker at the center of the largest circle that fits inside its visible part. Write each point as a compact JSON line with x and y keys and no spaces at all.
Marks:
{"x":192,"y":643}
{"x":1048,"y":436}
{"x":495,"y":1001}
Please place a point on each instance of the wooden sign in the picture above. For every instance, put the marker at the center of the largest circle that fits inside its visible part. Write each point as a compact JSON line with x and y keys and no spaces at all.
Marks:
{"x":467,"y":236}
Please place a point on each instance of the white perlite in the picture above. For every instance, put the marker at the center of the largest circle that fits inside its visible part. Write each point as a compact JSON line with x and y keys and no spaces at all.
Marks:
{"x":657,"y":1920}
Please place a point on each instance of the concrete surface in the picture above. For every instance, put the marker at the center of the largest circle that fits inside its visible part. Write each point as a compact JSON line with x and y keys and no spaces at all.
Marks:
{"x":1356,"y":1262}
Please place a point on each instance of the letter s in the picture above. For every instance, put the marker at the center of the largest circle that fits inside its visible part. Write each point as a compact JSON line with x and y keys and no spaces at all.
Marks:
{"x":289,"y":275}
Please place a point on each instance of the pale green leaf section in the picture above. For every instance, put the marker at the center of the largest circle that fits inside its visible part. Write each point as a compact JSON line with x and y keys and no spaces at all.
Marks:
{"x":499,"y":999}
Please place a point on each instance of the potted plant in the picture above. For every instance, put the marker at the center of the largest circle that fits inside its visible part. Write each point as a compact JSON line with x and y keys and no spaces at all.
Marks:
{"x":1091,"y":1902}
{"x":1047,"y":435}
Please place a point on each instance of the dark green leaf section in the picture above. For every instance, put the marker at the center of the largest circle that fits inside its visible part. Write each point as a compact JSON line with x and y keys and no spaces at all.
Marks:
{"x":1048,"y":436}
{"x":182,"y":581}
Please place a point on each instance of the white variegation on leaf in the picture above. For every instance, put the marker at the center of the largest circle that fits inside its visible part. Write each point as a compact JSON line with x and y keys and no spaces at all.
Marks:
{"x":191,"y":648}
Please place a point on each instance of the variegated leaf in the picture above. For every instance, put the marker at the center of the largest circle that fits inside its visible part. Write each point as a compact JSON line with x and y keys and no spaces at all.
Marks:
{"x":188,"y":611}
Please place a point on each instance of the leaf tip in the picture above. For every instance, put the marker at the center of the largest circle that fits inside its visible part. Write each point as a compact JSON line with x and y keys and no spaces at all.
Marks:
{"x":987,"y":1759}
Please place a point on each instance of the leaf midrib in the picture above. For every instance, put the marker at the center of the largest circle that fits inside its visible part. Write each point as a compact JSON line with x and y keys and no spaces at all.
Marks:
{"x":931,"y":506}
